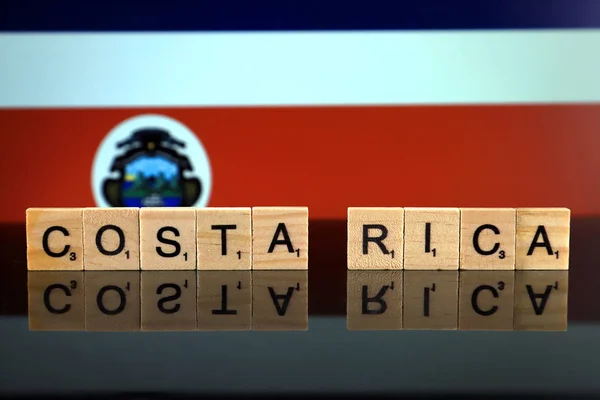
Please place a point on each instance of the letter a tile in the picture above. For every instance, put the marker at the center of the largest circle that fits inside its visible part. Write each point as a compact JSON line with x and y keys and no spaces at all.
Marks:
{"x":543,"y":238}
{"x":375,"y":238}
{"x":280,"y":238}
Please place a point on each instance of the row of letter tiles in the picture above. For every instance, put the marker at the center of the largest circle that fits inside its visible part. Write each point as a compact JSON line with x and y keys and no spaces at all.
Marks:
{"x":167,"y":300}
{"x":243,"y":238}
{"x":467,"y":300}
{"x":458,"y":238}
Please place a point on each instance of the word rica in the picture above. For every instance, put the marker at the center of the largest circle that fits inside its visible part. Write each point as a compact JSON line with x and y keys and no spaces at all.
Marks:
{"x":453,"y":238}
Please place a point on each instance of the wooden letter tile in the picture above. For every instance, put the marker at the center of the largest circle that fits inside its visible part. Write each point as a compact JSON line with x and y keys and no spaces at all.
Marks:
{"x":224,"y":300}
{"x":280,"y":300}
{"x":374,"y":300}
{"x":430,"y":299}
{"x":486,"y":300}
{"x":280,"y":238}
{"x":541,"y":300}
{"x":168,"y":300}
{"x":168,"y":238}
{"x":55,"y":301}
{"x":543,"y":238}
{"x":112,"y":301}
{"x":375,"y":237}
{"x":431,"y":237}
{"x":224,"y":238}
{"x":487,"y":240}
{"x":111,"y":239}
{"x":54,"y":239}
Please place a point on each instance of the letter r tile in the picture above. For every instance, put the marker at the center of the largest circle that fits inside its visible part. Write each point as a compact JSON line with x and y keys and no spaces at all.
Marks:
{"x":375,"y":238}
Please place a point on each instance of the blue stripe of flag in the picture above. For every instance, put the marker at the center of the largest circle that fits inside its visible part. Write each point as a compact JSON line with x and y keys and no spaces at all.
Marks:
{"x":294,"y":15}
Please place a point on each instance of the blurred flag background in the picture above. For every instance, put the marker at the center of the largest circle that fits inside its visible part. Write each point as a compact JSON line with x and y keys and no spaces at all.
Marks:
{"x":317,"y":103}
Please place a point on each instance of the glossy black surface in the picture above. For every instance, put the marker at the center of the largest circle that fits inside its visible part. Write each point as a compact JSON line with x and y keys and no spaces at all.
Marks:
{"x":330,"y":357}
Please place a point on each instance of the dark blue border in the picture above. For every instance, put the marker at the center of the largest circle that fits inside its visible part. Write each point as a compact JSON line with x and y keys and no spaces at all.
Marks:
{"x":294,"y":15}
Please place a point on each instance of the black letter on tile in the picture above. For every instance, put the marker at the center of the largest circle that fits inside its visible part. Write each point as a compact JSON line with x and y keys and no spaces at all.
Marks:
{"x":281,"y":229}
{"x":223,"y":229}
{"x":478,"y":231}
{"x":378,"y":240}
{"x":174,"y":243}
{"x":101,"y":248}
{"x":45,"y":241}
{"x":541,"y":230}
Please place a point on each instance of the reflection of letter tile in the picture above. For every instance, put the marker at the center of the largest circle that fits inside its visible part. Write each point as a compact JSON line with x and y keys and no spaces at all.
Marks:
{"x":374,"y":300}
{"x":55,"y":301}
{"x":280,"y":238}
{"x":280,"y":300}
{"x":224,"y":238}
{"x":111,"y":238}
{"x":168,"y":300}
{"x":543,"y":238}
{"x":112,"y":300}
{"x":224,"y":300}
{"x":486,"y":300}
{"x":430,"y":299}
{"x":487,"y":238}
{"x":431,"y":238}
{"x":168,"y":238}
{"x":63,"y":230}
{"x":375,"y":237}
{"x":541,"y":300}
